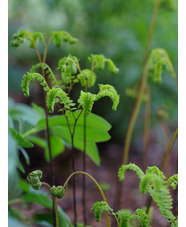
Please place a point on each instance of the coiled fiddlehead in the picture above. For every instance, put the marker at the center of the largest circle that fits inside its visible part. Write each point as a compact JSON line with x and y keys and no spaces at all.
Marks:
{"x":159,"y":58}
{"x":34,"y":179}
{"x":87,"y":77}
{"x":57,"y":95}
{"x":58,"y":191}
{"x":98,"y":209}
{"x":30,"y":77}
{"x":108,"y":90}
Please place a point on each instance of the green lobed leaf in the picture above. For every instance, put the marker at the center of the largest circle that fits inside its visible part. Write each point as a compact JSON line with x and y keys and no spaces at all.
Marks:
{"x":57,"y":147}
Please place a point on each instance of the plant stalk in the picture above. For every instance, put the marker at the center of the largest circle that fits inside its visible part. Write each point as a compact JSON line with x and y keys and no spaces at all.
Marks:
{"x":146,"y":128}
{"x":141,"y":91}
{"x":97,"y":185}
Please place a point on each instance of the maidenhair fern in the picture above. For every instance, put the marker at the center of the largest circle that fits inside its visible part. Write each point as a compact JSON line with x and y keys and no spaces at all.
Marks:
{"x":124,"y":217}
{"x":57,"y":95}
{"x":98,"y":61}
{"x":22,"y":35}
{"x":159,"y":58}
{"x":98,"y":209}
{"x":86,"y":100}
{"x":173,"y":181}
{"x":30,"y":77}
{"x":87,"y":77}
{"x":59,"y":36}
{"x":142,"y":217}
{"x":48,"y":71}
{"x":153,"y":181}
{"x":135,"y":168}
{"x":108,"y":90}
{"x":68,"y":67}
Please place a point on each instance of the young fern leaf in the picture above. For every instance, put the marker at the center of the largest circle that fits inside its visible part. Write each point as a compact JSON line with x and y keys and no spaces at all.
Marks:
{"x":87,"y":77}
{"x":108,"y":90}
{"x":173,"y":181}
{"x":86,"y":100}
{"x":159,"y":58}
{"x":21,"y":36}
{"x":98,"y":61}
{"x":30,"y":77}
{"x":159,"y":193}
{"x":124,"y":217}
{"x":98,"y":209}
{"x":62,"y":99}
{"x":135,"y":168}
{"x":142,"y":217}
{"x":155,"y":170}
{"x":34,"y":179}
{"x":47,"y":68}
{"x":60,"y":36}
{"x":68,"y":67}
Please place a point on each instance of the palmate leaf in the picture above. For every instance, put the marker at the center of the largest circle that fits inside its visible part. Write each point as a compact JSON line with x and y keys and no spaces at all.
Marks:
{"x":97,"y":131}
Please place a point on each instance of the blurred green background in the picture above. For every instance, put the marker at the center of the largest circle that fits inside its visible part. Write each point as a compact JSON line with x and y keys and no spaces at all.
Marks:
{"x":116,"y":28}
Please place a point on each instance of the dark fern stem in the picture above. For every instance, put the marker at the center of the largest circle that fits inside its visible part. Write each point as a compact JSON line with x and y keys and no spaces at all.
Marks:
{"x":74,"y":181}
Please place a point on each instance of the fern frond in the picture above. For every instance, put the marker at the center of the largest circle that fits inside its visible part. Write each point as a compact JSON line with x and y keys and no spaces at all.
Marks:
{"x":68,"y":67}
{"x":62,"y":99}
{"x":98,"y":209}
{"x":142,"y":217}
{"x":124,"y":217}
{"x":108,"y":90}
{"x":87,"y":77}
{"x":21,"y":36}
{"x":60,"y":36}
{"x":47,"y":68}
{"x":155,"y":170}
{"x":135,"y":168}
{"x":87,"y":99}
{"x":173,"y":181}
{"x":30,"y":77}
{"x":159,"y":193}
{"x":98,"y":61}
{"x":159,"y":58}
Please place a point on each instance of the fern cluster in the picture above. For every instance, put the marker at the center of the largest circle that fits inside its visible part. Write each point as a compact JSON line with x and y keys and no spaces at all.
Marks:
{"x":153,"y":181}
{"x":58,"y":191}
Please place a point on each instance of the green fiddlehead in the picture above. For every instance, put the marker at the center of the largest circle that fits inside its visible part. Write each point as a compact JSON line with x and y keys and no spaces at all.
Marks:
{"x":30,"y":77}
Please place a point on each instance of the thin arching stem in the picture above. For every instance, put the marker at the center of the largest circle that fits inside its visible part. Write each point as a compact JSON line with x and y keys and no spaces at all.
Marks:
{"x":97,"y":185}
{"x":84,"y":167}
{"x":141,"y":91}
{"x":55,"y":205}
